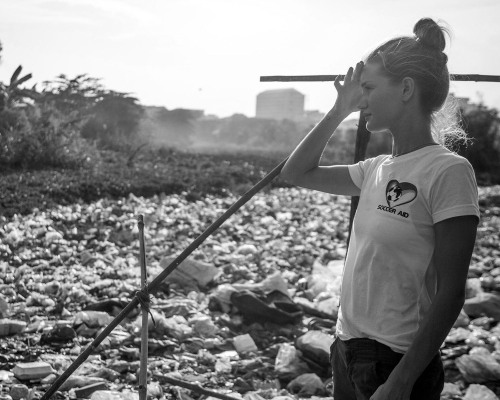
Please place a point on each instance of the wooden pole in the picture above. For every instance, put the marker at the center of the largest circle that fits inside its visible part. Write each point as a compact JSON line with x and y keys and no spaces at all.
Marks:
{"x":193,"y":387}
{"x":143,"y":376}
{"x":362,"y":140}
{"x":326,"y":78}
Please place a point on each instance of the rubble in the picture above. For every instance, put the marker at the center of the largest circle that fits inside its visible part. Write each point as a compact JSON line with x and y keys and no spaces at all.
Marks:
{"x":249,"y":315}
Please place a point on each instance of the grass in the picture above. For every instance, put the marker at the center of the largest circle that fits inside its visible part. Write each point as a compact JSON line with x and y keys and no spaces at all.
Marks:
{"x":151,"y":173}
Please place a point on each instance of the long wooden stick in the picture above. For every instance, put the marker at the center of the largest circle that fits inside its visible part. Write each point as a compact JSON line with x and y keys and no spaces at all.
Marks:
{"x":153,"y":286}
{"x":143,"y":376}
{"x":194,"y":387}
{"x":362,"y":140}
{"x":325,"y":78}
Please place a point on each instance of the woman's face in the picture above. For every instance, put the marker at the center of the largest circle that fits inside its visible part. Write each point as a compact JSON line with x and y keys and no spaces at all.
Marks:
{"x":381,"y":101}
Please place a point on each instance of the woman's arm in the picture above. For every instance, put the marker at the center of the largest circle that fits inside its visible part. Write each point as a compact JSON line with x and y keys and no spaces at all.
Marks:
{"x":454,"y":240}
{"x":302,"y":167}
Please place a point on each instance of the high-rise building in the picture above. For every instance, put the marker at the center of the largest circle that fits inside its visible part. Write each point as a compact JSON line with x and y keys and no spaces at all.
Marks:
{"x":280,"y":104}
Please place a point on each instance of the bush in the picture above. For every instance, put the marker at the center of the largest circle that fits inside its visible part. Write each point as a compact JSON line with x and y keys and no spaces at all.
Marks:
{"x":41,"y":136}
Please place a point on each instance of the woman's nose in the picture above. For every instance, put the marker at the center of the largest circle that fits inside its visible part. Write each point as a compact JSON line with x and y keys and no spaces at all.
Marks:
{"x":362,"y":103}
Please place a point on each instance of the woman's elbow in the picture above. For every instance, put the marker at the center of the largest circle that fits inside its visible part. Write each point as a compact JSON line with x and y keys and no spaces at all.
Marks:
{"x":289,"y":175}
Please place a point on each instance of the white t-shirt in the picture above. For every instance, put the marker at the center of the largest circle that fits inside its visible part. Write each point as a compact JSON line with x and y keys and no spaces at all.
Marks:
{"x":389,"y":277}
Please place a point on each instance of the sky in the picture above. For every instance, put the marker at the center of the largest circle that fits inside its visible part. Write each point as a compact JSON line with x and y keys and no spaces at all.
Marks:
{"x":210,"y":54}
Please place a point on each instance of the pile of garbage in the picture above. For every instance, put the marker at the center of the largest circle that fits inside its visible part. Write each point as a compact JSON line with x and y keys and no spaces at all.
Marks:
{"x":250,"y":314}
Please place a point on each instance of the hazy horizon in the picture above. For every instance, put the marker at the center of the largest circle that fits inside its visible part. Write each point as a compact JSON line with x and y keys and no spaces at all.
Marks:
{"x":209,"y":55}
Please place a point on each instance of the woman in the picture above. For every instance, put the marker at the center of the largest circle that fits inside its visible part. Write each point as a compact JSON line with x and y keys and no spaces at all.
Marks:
{"x":414,"y":230}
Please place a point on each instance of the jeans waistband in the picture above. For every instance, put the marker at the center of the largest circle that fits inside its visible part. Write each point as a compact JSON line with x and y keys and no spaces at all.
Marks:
{"x":370,"y":349}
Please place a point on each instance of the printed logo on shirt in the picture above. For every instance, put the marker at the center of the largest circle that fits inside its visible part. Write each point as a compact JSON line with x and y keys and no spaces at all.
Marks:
{"x":397,"y":194}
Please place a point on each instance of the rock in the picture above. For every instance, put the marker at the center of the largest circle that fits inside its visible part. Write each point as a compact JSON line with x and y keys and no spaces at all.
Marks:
{"x":246,"y":249}
{"x":6,"y":376}
{"x":113,"y":395}
{"x":11,"y":326}
{"x":18,"y":392}
{"x":315,"y":345}
{"x":307,"y":385}
{"x":479,"y":392}
{"x":288,"y":364}
{"x":190,"y":273}
{"x":4,"y":307}
{"x":252,"y":396}
{"x":58,"y":334}
{"x":92,"y":319}
{"x":154,"y":390}
{"x":86,"y":391}
{"x":484,"y":304}
{"x":462,"y":320}
{"x":478,"y":368}
{"x":244,"y":344}
{"x":223,"y":365}
{"x":483,"y":322}
{"x":458,"y":335}
{"x":53,"y":288}
{"x":203,"y":326}
{"x":52,"y":236}
{"x":32,"y":371}
{"x":450,"y":391}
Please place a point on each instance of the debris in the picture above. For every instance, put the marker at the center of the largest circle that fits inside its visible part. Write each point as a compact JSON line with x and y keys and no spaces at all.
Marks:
{"x":19,"y":391}
{"x":190,"y":274}
{"x":479,"y":392}
{"x":307,"y":385}
{"x":289,"y":270}
{"x":478,"y":368}
{"x":288,"y":363}
{"x":244,"y":344}
{"x":11,"y":326}
{"x":86,"y":391}
{"x":33,"y":370}
{"x":484,"y":304}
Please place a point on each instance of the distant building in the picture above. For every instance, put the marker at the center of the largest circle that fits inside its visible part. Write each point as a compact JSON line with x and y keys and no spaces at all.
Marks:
{"x":280,"y":104}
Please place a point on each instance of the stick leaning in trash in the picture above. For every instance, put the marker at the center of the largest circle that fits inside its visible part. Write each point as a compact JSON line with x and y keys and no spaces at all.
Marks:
{"x":153,"y":286}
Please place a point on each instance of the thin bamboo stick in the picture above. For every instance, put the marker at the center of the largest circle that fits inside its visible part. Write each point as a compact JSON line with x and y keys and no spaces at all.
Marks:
{"x":193,"y":387}
{"x":324,"y":78}
{"x":143,"y":376}
{"x":153,"y":286}
{"x":362,"y":140}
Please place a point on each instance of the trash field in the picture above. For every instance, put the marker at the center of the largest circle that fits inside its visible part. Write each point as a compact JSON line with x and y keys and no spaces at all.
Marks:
{"x":250,"y":314}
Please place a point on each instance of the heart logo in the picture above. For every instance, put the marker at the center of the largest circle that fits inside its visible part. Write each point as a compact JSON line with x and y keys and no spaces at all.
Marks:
{"x":398,"y":193}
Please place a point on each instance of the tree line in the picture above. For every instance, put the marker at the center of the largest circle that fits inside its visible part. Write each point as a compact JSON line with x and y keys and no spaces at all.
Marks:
{"x":68,"y":121}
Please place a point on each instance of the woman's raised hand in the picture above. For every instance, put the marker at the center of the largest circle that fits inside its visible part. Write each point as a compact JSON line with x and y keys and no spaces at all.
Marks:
{"x":349,"y":94}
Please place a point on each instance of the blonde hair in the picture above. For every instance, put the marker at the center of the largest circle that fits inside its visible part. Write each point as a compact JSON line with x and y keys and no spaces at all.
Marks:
{"x":446,"y":126}
{"x":422,"y":58}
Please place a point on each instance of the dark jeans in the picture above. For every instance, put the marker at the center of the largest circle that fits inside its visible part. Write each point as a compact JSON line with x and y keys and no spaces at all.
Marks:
{"x":360,"y":366}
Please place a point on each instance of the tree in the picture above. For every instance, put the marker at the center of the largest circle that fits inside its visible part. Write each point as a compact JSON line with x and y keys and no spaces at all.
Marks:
{"x":482,"y":124}
{"x":113,"y":120}
{"x":73,"y":96}
{"x":109,"y":118}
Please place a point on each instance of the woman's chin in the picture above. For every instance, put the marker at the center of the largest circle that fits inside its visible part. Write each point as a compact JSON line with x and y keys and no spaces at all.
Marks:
{"x":373,"y":128}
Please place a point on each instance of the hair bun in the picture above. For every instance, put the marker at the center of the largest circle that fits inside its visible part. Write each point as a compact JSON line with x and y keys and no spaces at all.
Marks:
{"x":430,"y":34}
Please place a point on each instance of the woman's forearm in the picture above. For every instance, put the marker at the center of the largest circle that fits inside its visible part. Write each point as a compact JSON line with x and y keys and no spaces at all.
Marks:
{"x":307,"y":154}
{"x":430,"y":336}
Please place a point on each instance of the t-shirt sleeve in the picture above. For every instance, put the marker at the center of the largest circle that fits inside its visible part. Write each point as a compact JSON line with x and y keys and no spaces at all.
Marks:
{"x":359,"y":170}
{"x":454,"y":193}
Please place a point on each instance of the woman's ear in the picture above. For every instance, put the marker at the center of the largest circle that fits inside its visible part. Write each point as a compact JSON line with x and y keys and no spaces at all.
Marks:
{"x":408,"y":89}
